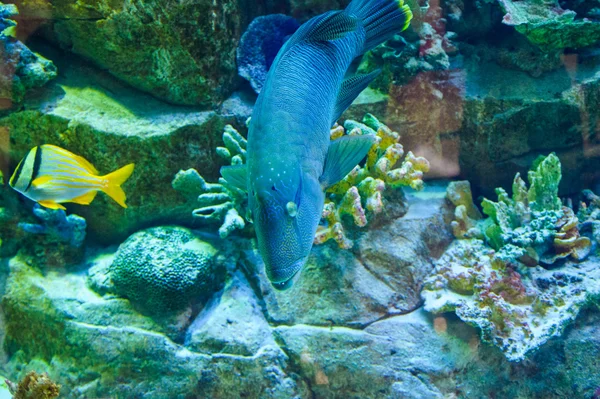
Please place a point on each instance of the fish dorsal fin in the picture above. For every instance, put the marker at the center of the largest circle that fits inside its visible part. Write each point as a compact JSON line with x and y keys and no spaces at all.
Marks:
{"x":236,"y":175}
{"x":51,"y":205}
{"x":81,"y":160}
{"x":343,"y":155}
{"x":40,"y":181}
{"x":350,"y":89}
{"x":329,"y":26}
{"x":85,"y":199}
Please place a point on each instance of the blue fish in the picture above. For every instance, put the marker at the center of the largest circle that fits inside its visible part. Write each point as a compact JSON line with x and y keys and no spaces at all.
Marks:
{"x":290,"y":157}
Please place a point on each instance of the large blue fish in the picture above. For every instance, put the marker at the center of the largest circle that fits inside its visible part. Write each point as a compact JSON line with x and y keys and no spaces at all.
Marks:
{"x":290,"y":158}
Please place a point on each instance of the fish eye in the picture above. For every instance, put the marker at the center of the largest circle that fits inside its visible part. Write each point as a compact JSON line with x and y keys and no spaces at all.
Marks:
{"x":291,"y":208}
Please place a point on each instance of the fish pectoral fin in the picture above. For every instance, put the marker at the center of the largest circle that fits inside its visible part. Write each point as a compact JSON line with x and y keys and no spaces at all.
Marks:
{"x":85,"y":199}
{"x":51,"y":205}
{"x":350,"y":89}
{"x":236,"y":175}
{"x":40,"y":181}
{"x":343,"y":155}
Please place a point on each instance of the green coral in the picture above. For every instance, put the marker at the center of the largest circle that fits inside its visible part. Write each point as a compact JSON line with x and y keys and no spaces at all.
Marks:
{"x":494,"y":281}
{"x":532,"y":225}
{"x":164,"y":269}
{"x":548,"y":26}
{"x":362,"y":192}
{"x":219,"y":202}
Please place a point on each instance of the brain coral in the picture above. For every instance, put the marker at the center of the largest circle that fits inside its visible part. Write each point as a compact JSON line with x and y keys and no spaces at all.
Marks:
{"x":164,"y":269}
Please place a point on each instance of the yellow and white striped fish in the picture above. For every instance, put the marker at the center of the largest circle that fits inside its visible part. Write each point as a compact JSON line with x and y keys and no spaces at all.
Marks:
{"x":51,"y":175}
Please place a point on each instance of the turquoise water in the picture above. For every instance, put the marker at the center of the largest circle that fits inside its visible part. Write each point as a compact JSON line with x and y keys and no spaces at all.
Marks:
{"x":456,"y":253}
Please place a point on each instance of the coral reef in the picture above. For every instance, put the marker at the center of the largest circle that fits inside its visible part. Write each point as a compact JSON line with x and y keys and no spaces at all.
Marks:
{"x":533,"y":226}
{"x":549,"y":26}
{"x":20,"y":68}
{"x":56,"y":240}
{"x":362,"y":191}
{"x":498,"y":284}
{"x":219,"y":202}
{"x":517,"y":309}
{"x":165,"y":269}
{"x":34,"y":386}
{"x":57,"y":226}
{"x":259,"y":46}
{"x":428,"y":48}
{"x":465,"y":212}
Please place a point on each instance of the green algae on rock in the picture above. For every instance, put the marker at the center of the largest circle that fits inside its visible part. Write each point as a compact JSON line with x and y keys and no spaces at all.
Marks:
{"x":547,"y":25}
{"x":90,"y":114}
{"x":533,"y":226}
{"x":183,"y":53}
{"x":165,"y":269}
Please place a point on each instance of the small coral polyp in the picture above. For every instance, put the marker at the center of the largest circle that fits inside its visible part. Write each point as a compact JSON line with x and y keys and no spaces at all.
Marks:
{"x":359,"y":195}
{"x":491,"y":276}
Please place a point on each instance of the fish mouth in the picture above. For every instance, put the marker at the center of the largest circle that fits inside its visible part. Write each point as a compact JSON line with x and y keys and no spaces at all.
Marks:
{"x":287,"y":284}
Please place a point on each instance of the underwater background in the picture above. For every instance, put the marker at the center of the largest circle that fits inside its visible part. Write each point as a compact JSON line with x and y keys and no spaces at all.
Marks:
{"x":458,"y":260}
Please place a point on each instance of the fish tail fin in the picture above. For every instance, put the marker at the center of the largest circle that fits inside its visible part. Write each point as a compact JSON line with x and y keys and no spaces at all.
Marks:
{"x":114,"y":180}
{"x":381,"y":19}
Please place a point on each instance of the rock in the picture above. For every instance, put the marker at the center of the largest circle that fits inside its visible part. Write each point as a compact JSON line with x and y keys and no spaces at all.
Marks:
{"x":100,"y":347}
{"x":91,"y":115}
{"x":485,"y":123}
{"x":183,"y":53}
{"x":165,"y":269}
{"x":381,"y":277}
{"x":549,"y":26}
{"x":232,"y":323}
{"x":303,"y":10}
{"x":405,"y":358}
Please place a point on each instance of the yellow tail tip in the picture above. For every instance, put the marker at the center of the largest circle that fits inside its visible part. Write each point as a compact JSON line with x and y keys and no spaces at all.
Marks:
{"x":114,"y":180}
{"x":409,"y":15}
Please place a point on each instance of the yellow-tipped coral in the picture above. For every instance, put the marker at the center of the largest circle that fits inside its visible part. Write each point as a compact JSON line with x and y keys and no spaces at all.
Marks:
{"x":361,"y":192}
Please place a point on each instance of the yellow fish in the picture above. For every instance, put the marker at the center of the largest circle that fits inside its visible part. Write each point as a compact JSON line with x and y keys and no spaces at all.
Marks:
{"x":51,"y":175}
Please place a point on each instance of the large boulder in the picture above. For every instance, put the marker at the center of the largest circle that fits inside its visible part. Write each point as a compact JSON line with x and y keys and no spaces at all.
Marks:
{"x":182,"y":52}
{"x":485,"y":123}
{"x":380,"y":277}
{"x":99,"y":346}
